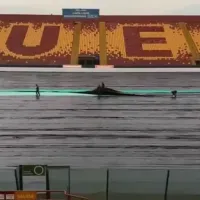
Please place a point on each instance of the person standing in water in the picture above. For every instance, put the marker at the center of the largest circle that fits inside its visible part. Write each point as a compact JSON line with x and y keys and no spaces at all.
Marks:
{"x":37,"y":91}
{"x":174,"y":93}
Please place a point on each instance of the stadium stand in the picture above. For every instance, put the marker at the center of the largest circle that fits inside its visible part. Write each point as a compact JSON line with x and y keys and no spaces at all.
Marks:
{"x":110,"y":40}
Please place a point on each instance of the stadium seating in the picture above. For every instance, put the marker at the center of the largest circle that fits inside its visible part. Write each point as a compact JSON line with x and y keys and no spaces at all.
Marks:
{"x":35,"y":40}
{"x":89,"y":39}
{"x":129,"y":40}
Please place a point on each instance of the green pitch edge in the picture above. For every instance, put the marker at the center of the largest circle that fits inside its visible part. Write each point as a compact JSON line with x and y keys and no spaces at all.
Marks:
{"x":74,"y":92}
{"x":138,"y":91}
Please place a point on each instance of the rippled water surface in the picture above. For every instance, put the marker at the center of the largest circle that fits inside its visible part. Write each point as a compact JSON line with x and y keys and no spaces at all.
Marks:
{"x":91,"y":132}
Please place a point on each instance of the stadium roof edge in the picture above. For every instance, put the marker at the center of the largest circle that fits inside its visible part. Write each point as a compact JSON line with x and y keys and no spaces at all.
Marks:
{"x":106,"y":18}
{"x":189,"y":16}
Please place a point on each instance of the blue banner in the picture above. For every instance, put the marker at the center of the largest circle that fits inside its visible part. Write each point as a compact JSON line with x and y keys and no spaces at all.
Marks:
{"x":81,"y":13}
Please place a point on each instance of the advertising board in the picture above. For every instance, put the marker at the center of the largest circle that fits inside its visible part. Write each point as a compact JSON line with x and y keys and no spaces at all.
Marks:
{"x":81,"y":13}
{"x":25,"y":195}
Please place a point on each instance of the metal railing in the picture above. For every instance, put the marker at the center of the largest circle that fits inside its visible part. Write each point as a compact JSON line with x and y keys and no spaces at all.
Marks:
{"x":115,"y":184}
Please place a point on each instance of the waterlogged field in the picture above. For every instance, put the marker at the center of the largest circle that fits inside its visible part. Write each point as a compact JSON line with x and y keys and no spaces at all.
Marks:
{"x":107,"y":132}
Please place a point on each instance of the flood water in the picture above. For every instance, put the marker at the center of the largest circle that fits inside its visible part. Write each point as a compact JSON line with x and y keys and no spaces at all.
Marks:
{"x":107,"y":132}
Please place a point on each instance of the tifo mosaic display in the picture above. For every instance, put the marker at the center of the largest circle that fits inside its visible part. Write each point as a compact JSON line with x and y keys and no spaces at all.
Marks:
{"x":129,"y":41}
